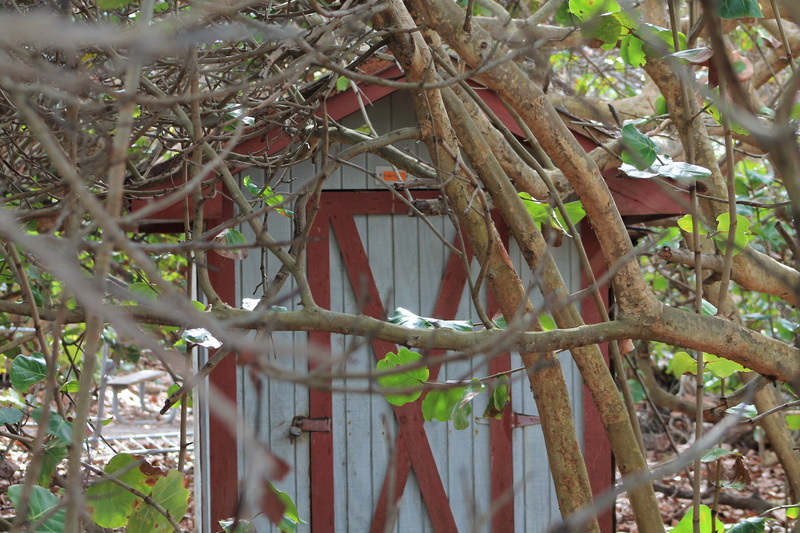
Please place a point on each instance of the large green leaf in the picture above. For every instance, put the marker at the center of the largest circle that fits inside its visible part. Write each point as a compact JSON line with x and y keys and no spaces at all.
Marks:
{"x":144,"y":291}
{"x":753,"y":524}
{"x":407,"y":319}
{"x":109,"y":504}
{"x":715,"y":453}
{"x":588,"y":9}
{"x":54,"y":452}
{"x":10,"y":415}
{"x":291,"y":518}
{"x":686,"y":223}
{"x":720,"y":367}
{"x":27,"y":370}
{"x":741,"y":238}
{"x":543,"y":213}
{"x":631,"y":50}
{"x":736,"y":9}
{"x":499,"y":399}
{"x":410,"y":379}
{"x":171,"y":493}
{"x":682,"y":363}
{"x":686,"y":526}
{"x":112,"y":4}
{"x":575,"y":212}
{"x":606,"y":29}
{"x":442,"y":404}
{"x":640,"y":150}
{"x":56,"y":425}
{"x":41,"y":501}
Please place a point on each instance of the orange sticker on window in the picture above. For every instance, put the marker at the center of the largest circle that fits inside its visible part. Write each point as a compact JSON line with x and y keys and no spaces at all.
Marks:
{"x":390,"y":175}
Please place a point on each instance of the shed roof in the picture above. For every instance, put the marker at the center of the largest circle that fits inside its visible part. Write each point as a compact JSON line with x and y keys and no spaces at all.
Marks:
{"x":637,"y":200}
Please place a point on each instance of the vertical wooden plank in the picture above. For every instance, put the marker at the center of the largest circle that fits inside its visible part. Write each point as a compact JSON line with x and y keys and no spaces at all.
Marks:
{"x":599,"y":459}
{"x":358,"y":423}
{"x":321,"y":468}
{"x":223,"y":457}
{"x":500,"y":440}
{"x":382,"y":264}
{"x":404,"y":277}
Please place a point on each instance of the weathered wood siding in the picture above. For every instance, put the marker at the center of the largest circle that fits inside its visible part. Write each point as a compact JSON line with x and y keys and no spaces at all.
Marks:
{"x":407,"y":261}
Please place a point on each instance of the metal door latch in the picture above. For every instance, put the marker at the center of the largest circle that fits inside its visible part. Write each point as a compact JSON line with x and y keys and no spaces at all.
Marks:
{"x":304,"y":423}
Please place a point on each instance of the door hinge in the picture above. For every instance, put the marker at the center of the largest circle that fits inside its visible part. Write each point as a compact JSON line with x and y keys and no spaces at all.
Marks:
{"x":518,"y":420}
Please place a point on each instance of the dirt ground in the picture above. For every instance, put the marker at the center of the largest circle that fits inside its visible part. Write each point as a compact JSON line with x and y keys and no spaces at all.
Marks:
{"x":751,"y":465}
{"x":140,"y":432}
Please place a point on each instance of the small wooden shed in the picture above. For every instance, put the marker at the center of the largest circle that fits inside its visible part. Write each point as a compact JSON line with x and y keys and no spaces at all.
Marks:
{"x":358,"y":463}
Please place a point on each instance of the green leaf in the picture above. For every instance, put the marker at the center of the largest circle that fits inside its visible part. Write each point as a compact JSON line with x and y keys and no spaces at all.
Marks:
{"x":742,"y":237}
{"x":233,"y":237}
{"x":686,"y":223}
{"x":56,"y":426}
{"x":440,"y":404}
{"x":736,"y":9}
{"x":686,"y":526}
{"x":540,"y":212}
{"x":547,"y":322}
{"x":407,"y":319}
{"x":461,"y":417}
{"x":661,"y":105}
{"x":499,"y":399}
{"x":41,"y":501}
{"x":793,"y":421}
{"x":744,"y":410}
{"x":112,"y":4}
{"x":633,"y":172}
{"x":682,"y":363}
{"x":720,"y":367}
{"x":543,"y":213}
{"x":575,"y":212}
{"x":715,"y":453}
{"x":637,"y":392}
{"x":681,"y":171}
{"x":275,"y":200}
{"x":588,"y":9}
{"x":54,"y":452}
{"x":606,"y":28}
{"x":290,"y":515}
{"x":640,"y":150}
{"x":251,"y":187}
{"x":753,"y":524}
{"x":695,"y":55}
{"x":172,"y":389}
{"x":143,"y":291}
{"x":72,"y":385}
{"x":171,"y":493}
{"x":201,"y":337}
{"x":109,"y":504}
{"x":10,"y":415}
{"x":443,"y":404}
{"x":708,"y":308}
{"x":342,"y":83}
{"x":410,"y":379}
{"x":631,"y":50}
{"x":27,"y":370}
{"x":735,"y":127}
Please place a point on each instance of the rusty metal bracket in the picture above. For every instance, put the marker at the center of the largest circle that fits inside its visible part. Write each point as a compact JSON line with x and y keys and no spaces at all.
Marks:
{"x":519,"y":420}
{"x":304,"y":423}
